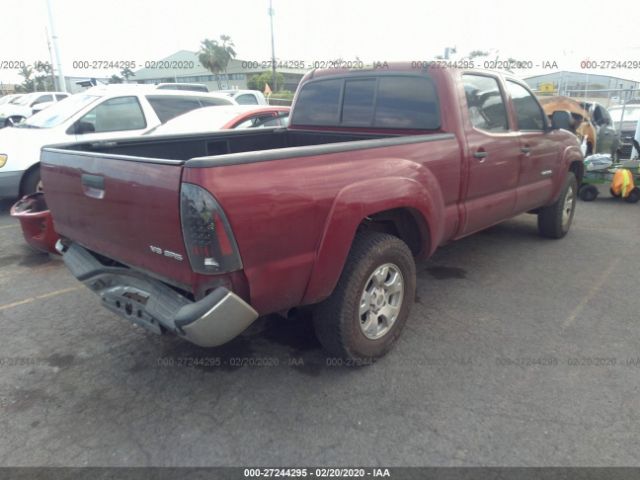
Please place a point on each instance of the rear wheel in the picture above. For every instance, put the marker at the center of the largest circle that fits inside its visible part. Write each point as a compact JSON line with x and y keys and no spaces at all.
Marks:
{"x":31,"y":183}
{"x":588,"y":193}
{"x":555,"y":220}
{"x":365,"y":314}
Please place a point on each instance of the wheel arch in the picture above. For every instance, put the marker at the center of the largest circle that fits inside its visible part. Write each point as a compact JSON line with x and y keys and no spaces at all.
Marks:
{"x":25,"y":175}
{"x":400,"y":206}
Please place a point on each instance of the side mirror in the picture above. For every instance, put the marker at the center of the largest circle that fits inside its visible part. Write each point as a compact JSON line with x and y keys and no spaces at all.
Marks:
{"x":561,"y":119}
{"x":81,"y":128}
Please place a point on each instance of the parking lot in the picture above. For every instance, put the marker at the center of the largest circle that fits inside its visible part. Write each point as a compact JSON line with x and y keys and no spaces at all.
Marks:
{"x":519,"y":351}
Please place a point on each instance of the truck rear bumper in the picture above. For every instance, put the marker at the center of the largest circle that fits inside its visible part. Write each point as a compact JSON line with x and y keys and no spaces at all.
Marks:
{"x":211,"y":321}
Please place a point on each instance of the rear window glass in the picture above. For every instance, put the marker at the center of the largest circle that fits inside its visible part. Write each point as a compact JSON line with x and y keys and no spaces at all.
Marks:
{"x":357,"y":107}
{"x":246,"y":99}
{"x":402,"y":102}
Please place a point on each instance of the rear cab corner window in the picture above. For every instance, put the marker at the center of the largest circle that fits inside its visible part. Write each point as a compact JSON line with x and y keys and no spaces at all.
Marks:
{"x":405,"y":102}
{"x":485,"y":103}
{"x":529,"y":114}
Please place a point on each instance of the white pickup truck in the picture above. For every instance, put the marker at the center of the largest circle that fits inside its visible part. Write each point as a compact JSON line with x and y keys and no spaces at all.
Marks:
{"x":103,"y":112}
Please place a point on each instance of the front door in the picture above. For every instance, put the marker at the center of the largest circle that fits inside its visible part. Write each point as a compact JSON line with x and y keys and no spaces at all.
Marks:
{"x":539,"y":152}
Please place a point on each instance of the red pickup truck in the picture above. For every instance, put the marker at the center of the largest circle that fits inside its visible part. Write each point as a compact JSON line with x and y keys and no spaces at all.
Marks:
{"x":200,"y":234}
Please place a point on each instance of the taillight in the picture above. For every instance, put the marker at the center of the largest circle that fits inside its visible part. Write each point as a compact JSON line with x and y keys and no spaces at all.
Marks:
{"x":209,"y":241}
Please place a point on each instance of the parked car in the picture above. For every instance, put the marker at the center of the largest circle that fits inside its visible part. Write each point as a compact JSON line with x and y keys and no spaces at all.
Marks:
{"x":223,"y":118}
{"x":607,"y":138}
{"x":591,"y":121}
{"x":14,"y":112}
{"x":10,"y":98}
{"x":200,"y":234}
{"x":626,"y":126}
{"x":191,"y":87}
{"x":103,"y":112}
{"x":246,"y":97}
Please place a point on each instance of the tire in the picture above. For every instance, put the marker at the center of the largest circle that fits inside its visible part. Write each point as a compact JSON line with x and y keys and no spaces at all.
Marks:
{"x":339,"y":325}
{"x":588,"y":193}
{"x":11,"y":121}
{"x":634,"y":196}
{"x":31,"y":182}
{"x":555,"y":220}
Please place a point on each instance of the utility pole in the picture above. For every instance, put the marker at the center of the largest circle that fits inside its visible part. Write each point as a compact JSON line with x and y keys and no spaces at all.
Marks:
{"x":54,"y":39}
{"x":53,"y":74}
{"x":273,"y":49}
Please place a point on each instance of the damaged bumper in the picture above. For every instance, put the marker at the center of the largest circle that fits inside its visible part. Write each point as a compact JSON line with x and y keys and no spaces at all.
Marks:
{"x":213,"y":320}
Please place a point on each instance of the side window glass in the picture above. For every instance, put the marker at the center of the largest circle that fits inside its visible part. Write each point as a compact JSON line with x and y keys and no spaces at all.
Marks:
{"x":485,"y":103}
{"x":115,"y":114}
{"x":259,"y":121}
{"x":528,"y":112}
{"x":43,"y":99}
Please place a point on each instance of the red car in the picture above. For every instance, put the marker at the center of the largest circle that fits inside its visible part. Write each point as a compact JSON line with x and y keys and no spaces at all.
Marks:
{"x":199,"y":234}
{"x":223,"y":118}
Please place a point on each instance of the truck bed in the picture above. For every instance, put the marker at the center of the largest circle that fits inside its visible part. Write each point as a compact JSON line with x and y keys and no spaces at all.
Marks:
{"x":180,"y":148}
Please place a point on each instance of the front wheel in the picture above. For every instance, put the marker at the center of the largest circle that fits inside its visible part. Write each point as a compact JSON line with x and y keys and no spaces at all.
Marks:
{"x":365,"y":314}
{"x":555,"y":220}
{"x":14,"y":120}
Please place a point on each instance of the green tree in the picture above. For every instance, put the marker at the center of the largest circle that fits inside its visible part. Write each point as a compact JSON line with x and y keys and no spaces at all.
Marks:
{"x":44,"y":80}
{"x":115,"y":79}
{"x":215,"y":55}
{"x":28,"y":84}
{"x":478,"y":53}
{"x":257,"y":82}
{"x":126,"y":73}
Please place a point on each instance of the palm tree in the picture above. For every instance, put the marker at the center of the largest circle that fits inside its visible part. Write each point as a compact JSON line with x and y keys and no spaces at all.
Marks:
{"x":227,"y":52}
{"x":215,"y":57}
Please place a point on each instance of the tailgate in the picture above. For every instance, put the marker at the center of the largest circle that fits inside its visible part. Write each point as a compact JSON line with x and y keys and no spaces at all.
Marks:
{"x":123,"y":208}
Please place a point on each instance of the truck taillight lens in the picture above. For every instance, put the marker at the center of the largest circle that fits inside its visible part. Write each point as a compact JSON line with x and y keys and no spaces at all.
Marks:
{"x":208,"y":239}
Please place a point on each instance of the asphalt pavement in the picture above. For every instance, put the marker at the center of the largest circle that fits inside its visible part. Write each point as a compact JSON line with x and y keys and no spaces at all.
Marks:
{"x":519,"y":351}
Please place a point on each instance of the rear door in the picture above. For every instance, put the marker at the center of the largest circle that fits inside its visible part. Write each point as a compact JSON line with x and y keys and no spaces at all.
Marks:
{"x":125,"y":209}
{"x":539,"y":153}
{"x":494,"y":152}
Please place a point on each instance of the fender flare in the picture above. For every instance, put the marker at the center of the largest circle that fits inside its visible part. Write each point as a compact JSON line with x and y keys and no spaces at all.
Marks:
{"x":570,"y":155}
{"x":359,"y":200}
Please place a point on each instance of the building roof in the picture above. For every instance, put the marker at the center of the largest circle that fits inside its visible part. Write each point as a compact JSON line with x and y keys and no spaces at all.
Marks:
{"x":185,"y":63}
{"x":591,"y":73}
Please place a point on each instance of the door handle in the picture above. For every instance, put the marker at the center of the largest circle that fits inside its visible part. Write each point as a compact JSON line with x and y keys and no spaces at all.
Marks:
{"x":92,"y":185}
{"x":93,"y":181}
{"x":526,"y":150}
{"x":480,"y":154}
